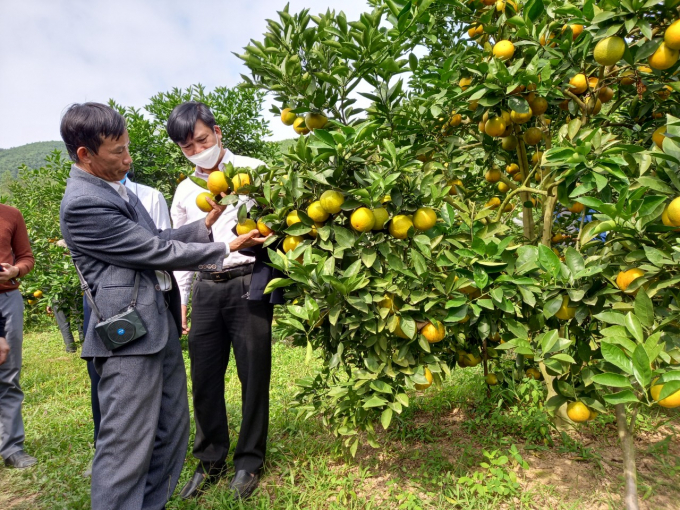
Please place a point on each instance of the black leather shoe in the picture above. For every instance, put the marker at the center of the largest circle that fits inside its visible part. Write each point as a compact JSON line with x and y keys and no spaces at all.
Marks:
{"x":20,"y":460}
{"x":201,"y":480}
{"x":244,"y":484}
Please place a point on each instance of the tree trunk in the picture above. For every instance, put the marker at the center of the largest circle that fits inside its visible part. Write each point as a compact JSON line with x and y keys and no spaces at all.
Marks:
{"x":628,"y":449}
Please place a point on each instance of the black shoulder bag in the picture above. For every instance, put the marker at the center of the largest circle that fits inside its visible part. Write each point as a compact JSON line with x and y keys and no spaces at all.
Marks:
{"x":121,"y":329}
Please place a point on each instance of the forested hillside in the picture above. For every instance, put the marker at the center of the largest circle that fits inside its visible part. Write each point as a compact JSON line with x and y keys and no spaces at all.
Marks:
{"x":32,"y":154}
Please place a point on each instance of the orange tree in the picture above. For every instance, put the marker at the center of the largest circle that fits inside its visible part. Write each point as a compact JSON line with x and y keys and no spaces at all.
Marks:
{"x":543,"y":136}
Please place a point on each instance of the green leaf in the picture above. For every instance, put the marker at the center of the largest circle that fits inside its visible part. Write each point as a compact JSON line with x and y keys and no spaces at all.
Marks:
{"x":611,"y":318}
{"x":611,"y":379}
{"x":199,"y":182}
{"x":298,"y":229}
{"x":644,"y":309}
{"x":634,"y":327}
{"x":563,"y":357}
{"x":518,"y":104}
{"x":669,"y":388}
{"x":381,"y":386}
{"x":276,"y":283}
{"x":344,"y":237}
{"x":402,"y":398}
{"x":622,"y":397}
{"x":533,"y":10}
{"x":548,"y":261}
{"x":374,"y":401}
{"x":574,"y":260}
{"x":386,"y":418}
{"x":641,"y":367}
{"x":616,"y":357}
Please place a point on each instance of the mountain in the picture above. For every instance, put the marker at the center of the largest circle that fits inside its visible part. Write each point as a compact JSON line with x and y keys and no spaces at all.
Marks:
{"x":32,"y":154}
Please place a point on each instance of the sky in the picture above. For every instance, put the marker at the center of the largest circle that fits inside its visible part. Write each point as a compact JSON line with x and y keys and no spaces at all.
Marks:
{"x":57,"y":52}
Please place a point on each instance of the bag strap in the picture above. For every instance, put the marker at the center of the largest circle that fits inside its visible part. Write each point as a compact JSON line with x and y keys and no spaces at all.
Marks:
{"x":86,"y":289}
{"x":133,"y":303}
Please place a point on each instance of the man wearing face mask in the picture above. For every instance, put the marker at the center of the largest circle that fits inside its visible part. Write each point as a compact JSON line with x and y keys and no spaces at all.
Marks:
{"x":229,"y":309}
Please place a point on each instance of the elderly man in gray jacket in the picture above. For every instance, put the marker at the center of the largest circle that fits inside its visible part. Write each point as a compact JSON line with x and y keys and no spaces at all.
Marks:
{"x":145,"y":418}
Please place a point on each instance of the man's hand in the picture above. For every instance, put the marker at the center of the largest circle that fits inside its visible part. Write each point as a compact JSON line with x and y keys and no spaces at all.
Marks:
{"x":10,"y":272}
{"x":216,"y":212}
{"x":4,"y":350}
{"x":252,"y":238}
{"x":185,"y":323}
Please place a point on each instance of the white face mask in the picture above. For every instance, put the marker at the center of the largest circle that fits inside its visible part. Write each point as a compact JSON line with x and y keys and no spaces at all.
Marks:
{"x":207,"y":158}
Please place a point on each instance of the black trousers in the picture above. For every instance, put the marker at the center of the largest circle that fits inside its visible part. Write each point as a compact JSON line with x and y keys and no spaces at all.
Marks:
{"x":221,"y":318}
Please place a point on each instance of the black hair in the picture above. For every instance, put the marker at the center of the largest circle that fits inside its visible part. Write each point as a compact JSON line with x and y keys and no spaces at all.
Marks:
{"x":87,"y":125}
{"x":183,"y":119}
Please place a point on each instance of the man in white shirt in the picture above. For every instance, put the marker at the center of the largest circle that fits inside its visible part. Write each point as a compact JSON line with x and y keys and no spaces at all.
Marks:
{"x":224,"y":314}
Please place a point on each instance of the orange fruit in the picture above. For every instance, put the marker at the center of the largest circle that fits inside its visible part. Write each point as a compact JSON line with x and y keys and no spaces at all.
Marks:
{"x":566,"y":312}
{"x":495,"y":127}
{"x":263,"y":228}
{"x":202,"y":202}
{"x":246,"y":226}
{"x":504,"y":50}
{"x":424,"y":219}
{"x":658,"y":136}
{"x":663,"y":58}
{"x":315,"y":120}
{"x":578,"y":84}
{"x":400,"y":225}
{"x":577,"y":207}
{"x":625,"y":278}
{"x":492,"y":175}
{"x":288,"y":117}
{"x":362,"y":220}
{"x":428,"y":376}
{"x":609,"y":51}
{"x":291,"y":242}
{"x":578,"y":412}
{"x":493,"y":203}
{"x":671,"y":401}
{"x":239,"y":181}
{"x":299,"y":126}
{"x":606,"y":94}
{"x":533,"y":136}
{"x":509,"y":143}
{"x":672,"y":36}
{"x":317,"y":212}
{"x":217,"y":182}
{"x":539,"y":106}
{"x":434,"y":333}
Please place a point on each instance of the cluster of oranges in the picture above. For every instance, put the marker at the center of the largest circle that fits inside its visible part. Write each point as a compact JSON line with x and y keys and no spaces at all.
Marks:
{"x":362,"y":219}
{"x":303,"y":125}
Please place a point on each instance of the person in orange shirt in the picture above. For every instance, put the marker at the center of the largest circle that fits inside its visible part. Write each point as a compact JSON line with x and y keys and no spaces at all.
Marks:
{"x":16,"y":260}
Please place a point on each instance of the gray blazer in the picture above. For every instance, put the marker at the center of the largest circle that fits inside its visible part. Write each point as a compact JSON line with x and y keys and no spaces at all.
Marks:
{"x":110,"y":239}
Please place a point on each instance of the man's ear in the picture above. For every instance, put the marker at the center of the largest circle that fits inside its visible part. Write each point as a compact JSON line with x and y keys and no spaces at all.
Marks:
{"x":83,"y":155}
{"x":218,"y":132}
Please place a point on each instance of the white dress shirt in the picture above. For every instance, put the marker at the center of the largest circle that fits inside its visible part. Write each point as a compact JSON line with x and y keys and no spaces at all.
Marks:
{"x":184,"y":210}
{"x":154,"y":203}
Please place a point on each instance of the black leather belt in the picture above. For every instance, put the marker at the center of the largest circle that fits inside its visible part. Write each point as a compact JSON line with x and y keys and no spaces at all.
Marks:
{"x":227,"y":274}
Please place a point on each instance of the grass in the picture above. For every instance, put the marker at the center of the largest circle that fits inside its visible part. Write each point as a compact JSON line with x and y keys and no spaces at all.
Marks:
{"x":453,"y":448}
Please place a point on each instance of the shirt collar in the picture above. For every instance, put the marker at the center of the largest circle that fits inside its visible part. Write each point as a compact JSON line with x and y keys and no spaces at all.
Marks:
{"x":228,"y":158}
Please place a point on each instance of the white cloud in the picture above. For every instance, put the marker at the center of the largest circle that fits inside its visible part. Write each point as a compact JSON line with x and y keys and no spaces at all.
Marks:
{"x":57,"y":52}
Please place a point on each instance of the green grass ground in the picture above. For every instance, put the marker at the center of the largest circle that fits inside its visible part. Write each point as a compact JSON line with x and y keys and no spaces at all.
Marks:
{"x":454,"y":449}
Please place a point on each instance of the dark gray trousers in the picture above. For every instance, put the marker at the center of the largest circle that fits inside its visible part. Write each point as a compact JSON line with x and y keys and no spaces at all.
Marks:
{"x":222,"y":318}
{"x":144,"y":428}
{"x":11,"y":396}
